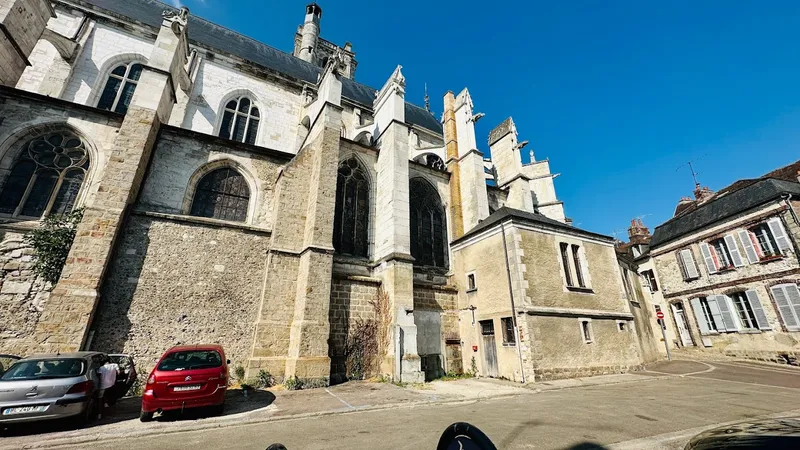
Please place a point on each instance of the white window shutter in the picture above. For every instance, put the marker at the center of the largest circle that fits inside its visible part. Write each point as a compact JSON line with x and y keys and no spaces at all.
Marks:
{"x":781,"y":296}
{"x":706,"y":251}
{"x":716,"y":314}
{"x":792,"y":296}
{"x":726,"y":309}
{"x":733,"y":249}
{"x":779,"y":233}
{"x":749,"y":249}
{"x":690,"y":269}
{"x":758,"y":310}
{"x":698,"y":314}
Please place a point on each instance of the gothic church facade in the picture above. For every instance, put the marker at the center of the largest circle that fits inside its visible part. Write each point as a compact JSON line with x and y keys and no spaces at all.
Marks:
{"x":267,"y":201}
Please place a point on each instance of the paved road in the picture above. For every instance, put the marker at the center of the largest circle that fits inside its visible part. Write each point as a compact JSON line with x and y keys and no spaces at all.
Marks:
{"x":658,"y":413}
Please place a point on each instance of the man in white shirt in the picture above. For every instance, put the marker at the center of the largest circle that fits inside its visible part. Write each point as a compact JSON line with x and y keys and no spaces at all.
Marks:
{"x":108,"y":377}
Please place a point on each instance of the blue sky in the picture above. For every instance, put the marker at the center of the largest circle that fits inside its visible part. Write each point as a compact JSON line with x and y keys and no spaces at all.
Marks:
{"x":617,"y":94}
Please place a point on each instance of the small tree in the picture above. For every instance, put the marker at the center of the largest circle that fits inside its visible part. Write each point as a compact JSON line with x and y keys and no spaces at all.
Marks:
{"x":51,"y":242}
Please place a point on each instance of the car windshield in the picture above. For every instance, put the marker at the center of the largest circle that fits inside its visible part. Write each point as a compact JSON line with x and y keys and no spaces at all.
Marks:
{"x":191,"y":359}
{"x":44,"y":369}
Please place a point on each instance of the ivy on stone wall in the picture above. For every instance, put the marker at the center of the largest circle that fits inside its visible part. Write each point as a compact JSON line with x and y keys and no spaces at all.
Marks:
{"x":52,"y":241}
{"x":368,"y":340}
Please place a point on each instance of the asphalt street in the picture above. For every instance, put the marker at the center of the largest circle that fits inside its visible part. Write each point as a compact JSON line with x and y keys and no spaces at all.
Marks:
{"x":662,"y":412}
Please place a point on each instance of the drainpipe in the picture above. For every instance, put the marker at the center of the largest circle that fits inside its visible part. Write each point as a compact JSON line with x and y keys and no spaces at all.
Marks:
{"x":513,"y":307}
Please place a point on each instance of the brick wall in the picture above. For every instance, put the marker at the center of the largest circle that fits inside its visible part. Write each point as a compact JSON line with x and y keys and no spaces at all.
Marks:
{"x":175,"y":282}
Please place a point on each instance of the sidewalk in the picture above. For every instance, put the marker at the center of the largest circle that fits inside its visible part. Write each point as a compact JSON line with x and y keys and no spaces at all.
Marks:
{"x":260,"y":406}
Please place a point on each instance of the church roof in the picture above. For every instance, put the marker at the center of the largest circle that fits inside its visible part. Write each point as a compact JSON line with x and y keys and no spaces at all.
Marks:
{"x":209,"y":34}
{"x":535,"y":219}
{"x":724,"y":206}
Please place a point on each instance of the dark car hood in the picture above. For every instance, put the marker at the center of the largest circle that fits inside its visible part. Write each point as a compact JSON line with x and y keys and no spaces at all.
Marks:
{"x":762,"y":434}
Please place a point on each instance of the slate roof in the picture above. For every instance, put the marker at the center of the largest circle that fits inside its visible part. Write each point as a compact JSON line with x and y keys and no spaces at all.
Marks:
{"x":226,"y":41}
{"x":724,"y":206}
{"x":528,"y":217}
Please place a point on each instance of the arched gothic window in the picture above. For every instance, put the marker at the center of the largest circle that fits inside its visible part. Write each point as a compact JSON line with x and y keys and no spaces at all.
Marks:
{"x":120,"y":87}
{"x":240,"y":121}
{"x":434,"y":162}
{"x":351,"y":218}
{"x":428,"y":225}
{"x":222,"y":194}
{"x":46,"y":177}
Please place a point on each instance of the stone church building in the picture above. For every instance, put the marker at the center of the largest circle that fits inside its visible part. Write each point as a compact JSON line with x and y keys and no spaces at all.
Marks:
{"x":269,"y":202}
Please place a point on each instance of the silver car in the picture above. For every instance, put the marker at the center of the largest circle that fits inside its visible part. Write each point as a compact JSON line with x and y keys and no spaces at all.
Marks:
{"x":42,"y":387}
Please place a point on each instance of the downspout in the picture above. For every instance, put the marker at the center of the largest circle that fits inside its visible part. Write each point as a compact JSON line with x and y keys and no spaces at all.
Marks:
{"x":513,"y":307}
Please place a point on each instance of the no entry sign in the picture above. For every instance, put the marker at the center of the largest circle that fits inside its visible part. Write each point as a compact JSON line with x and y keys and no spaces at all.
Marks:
{"x":660,"y":314}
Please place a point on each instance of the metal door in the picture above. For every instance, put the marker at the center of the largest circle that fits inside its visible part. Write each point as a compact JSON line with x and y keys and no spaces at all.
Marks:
{"x":683,"y":328}
{"x":489,"y":348}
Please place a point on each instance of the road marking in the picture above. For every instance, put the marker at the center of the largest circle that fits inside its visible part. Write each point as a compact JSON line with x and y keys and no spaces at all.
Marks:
{"x":678,"y":438}
{"x":340,"y":399}
{"x":710,"y":369}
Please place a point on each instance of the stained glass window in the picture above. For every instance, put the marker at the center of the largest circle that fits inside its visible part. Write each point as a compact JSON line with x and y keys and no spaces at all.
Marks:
{"x":121,"y":85}
{"x":222,"y":194}
{"x":46,"y":177}
{"x":350,"y":226}
{"x":240,"y":121}
{"x":428,"y":225}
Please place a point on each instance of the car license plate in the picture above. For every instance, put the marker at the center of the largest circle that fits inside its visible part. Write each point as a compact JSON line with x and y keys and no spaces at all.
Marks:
{"x":193,"y":387}
{"x":24,"y":410}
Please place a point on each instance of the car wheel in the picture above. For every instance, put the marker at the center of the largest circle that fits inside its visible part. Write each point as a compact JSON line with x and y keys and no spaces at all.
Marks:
{"x":145,"y":416}
{"x":88,"y":413}
{"x":219,"y":409}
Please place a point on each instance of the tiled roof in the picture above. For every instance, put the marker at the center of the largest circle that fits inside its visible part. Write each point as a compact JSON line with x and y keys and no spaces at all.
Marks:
{"x":531,"y":218}
{"x":724,"y":205}
{"x":226,"y":41}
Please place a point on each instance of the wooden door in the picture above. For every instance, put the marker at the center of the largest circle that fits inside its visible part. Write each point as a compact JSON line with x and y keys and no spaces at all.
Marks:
{"x":489,"y":348}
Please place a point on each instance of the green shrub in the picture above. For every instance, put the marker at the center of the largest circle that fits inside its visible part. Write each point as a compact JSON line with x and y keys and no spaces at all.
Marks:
{"x":293,"y":384}
{"x":265,"y":379}
{"x":239,"y":372}
{"x":51,"y":242}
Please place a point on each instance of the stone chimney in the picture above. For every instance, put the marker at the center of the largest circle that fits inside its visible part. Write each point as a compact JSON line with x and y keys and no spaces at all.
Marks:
{"x":702,"y":194}
{"x":638,"y":233}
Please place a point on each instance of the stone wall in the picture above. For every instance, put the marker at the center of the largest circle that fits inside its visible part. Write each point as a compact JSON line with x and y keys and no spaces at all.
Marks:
{"x":173,"y":281}
{"x":351,"y":301}
{"x":438,"y":334}
{"x":560,"y":352}
{"x":181,"y":158}
{"x":22,"y":296}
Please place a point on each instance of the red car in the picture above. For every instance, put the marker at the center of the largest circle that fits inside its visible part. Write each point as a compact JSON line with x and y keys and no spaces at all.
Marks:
{"x":189,"y":376}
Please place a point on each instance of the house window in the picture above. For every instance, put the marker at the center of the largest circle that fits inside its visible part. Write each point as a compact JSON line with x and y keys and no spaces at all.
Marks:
{"x":351,"y":219}
{"x":787,"y":298}
{"x":687,"y":265}
{"x":721,"y":254}
{"x":471,"y":286}
{"x":222,"y":194}
{"x":240,"y":120}
{"x":764,"y":241}
{"x":622,"y":325}
{"x":576,"y":258}
{"x":565,"y":261}
{"x":46,"y":177}
{"x":650,"y":278}
{"x":586,"y":331}
{"x":707,"y":316}
{"x":119,"y":89}
{"x":745,"y":311}
{"x":509,"y":338}
{"x":428,"y":225}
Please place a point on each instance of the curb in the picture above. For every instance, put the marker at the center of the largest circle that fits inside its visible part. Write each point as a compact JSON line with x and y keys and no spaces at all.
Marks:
{"x":55,"y":443}
{"x":77,"y":440}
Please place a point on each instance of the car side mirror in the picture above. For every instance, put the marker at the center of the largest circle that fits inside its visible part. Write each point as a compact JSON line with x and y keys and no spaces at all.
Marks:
{"x":227,"y":361}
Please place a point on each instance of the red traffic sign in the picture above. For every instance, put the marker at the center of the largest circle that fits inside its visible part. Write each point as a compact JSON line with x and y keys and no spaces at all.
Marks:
{"x":660,"y":314}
